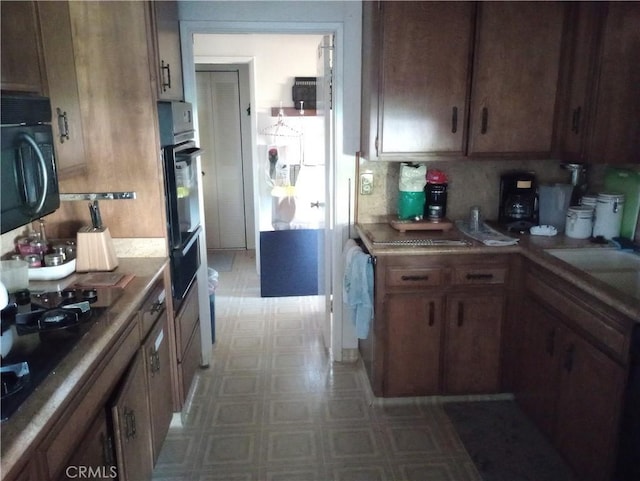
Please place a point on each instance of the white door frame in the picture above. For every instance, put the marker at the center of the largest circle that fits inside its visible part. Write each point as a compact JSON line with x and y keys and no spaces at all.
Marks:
{"x":334,"y":236}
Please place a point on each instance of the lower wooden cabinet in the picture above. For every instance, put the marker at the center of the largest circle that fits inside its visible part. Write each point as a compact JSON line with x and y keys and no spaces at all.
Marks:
{"x":132,"y":425}
{"x":188,"y":346}
{"x":158,"y":373}
{"x":438,"y":325}
{"x":413,"y":345}
{"x":95,"y":457}
{"x":568,"y":382}
{"x":473,"y":338}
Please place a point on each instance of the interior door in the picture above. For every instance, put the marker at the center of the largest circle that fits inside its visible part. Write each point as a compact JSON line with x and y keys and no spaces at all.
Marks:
{"x":221,"y":140}
{"x":323,"y":108}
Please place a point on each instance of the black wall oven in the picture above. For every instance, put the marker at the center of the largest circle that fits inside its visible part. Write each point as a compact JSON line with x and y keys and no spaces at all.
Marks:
{"x":180,"y":164}
{"x":29,"y":176}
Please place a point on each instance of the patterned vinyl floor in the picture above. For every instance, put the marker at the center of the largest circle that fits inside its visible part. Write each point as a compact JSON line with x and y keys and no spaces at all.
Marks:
{"x":271,"y":407}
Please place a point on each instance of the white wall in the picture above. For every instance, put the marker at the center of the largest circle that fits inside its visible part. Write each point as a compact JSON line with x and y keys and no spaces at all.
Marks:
{"x":344,"y":19}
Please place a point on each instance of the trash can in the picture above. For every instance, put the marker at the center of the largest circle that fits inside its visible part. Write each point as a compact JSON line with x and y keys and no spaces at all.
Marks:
{"x":213,"y":284}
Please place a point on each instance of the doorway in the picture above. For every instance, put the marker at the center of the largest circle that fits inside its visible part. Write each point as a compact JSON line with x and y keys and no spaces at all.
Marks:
{"x":223,"y":137}
{"x":272,"y":75}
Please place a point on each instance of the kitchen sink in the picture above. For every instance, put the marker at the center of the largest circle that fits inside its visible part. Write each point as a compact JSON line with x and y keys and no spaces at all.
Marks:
{"x":619,"y":269}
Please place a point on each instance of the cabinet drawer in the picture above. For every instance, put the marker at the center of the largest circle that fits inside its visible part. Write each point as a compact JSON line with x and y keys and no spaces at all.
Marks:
{"x":187,"y":319}
{"x":190,"y":361}
{"x":152,"y":307}
{"x":466,"y":275}
{"x":414,"y":276}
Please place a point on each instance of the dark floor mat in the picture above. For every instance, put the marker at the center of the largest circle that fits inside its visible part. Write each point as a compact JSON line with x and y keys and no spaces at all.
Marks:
{"x":503,"y":444}
{"x":221,"y":261}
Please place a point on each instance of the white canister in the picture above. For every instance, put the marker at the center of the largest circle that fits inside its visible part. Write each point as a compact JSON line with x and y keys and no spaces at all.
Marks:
{"x":589,"y":201}
{"x":608,"y":220}
{"x":579,"y":223}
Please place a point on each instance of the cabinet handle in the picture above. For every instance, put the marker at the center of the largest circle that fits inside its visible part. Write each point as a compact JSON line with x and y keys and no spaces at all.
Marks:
{"x":575,"y":122}
{"x":432,"y":313}
{"x":377,"y":147}
{"x":479,"y":276}
{"x":415,"y":278}
{"x":107,"y":450}
{"x":156,"y":307}
{"x":485,"y":120}
{"x":551,"y":342}
{"x":460,"y":314}
{"x":154,"y":362}
{"x":454,"y":120}
{"x":568,"y":360}
{"x":165,"y":67}
{"x":63,"y":125}
{"x":129,"y":423}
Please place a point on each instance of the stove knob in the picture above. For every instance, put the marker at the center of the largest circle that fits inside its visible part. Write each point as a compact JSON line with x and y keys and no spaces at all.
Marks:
{"x":68,"y":293}
{"x":90,"y":295}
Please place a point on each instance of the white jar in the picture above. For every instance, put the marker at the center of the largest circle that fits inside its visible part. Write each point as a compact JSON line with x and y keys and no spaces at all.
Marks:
{"x":579,"y":223}
{"x":589,"y":201}
{"x":608,"y":215}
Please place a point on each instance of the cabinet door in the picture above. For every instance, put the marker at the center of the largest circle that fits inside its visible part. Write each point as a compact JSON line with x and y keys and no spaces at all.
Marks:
{"x":166,"y":29}
{"x":95,"y":452}
{"x":579,"y":49}
{"x":588,"y":407}
{"x":412,"y":357}
{"x":616,"y":131}
{"x":515,"y":76}
{"x":22,"y":65}
{"x":157,"y":354}
{"x":472,"y":343}
{"x":424,"y":70}
{"x":538,"y":372}
{"x":131,"y":424}
{"x":63,"y":87}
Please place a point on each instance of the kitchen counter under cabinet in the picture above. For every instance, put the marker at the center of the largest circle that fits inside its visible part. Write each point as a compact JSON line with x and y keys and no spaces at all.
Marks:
{"x":41,"y":435}
{"x":563,"y":336}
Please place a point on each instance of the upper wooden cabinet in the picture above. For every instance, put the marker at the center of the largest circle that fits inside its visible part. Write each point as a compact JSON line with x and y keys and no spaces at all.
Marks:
{"x":57,"y":40}
{"x":22,"y":63}
{"x":167,"y":57}
{"x":615,"y":133}
{"x":423,"y":62}
{"x":454,"y":79}
{"x":515,"y":76}
{"x":577,"y":79}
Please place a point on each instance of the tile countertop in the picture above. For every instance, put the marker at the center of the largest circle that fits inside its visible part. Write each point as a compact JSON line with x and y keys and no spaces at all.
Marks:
{"x":375,"y":238}
{"x":26,"y":427}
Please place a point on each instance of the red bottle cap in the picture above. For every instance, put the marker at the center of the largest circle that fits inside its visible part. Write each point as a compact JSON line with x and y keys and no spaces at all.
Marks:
{"x":435,"y":176}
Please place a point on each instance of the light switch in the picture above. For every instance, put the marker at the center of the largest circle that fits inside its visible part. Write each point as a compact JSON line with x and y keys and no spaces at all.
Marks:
{"x":366,"y":183}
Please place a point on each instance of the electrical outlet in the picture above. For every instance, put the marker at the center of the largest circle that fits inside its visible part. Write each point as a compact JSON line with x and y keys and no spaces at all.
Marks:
{"x":366,"y":183}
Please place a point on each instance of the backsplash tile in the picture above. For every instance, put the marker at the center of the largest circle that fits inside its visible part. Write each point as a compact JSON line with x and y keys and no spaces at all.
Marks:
{"x":471,"y":182}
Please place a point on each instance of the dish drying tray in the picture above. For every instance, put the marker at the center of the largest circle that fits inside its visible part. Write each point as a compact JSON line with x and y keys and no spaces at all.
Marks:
{"x":487,"y":235}
{"x":423,"y":242}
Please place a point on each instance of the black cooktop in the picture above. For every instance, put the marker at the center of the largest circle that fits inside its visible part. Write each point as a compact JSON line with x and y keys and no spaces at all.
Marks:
{"x":48,"y":325}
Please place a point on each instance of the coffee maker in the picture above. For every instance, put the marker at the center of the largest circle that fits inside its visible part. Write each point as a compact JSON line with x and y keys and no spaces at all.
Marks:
{"x":518,"y":201}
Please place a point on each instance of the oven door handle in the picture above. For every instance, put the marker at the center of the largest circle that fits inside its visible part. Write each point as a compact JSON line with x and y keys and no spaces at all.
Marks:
{"x":184,"y":248}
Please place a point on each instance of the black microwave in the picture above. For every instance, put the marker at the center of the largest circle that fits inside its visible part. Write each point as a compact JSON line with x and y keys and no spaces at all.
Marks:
{"x":28,"y":175}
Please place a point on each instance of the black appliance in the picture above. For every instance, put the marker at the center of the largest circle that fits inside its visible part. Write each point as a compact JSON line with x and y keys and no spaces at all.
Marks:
{"x":628,"y":463}
{"x":180,"y":166}
{"x":518,"y":201}
{"x":29,"y":175}
{"x":435,"y":204}
{"x":48,"y":325}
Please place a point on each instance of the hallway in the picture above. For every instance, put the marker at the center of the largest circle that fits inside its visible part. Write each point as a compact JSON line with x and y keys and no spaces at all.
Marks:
{"x":271,"y":407}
